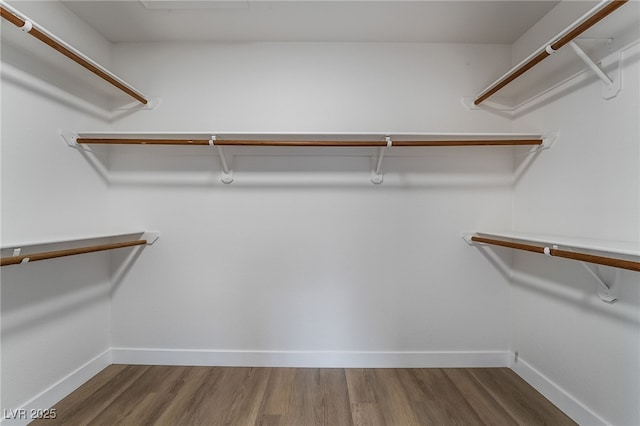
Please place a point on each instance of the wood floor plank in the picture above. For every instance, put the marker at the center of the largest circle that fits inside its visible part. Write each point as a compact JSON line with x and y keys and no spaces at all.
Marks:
{"x":391,"y":398}
{"x":366,"y":414}
{"x":247,"y":387}
{"x":435,"y":398}
{"x":359,"y":385}
{"x":194,"y":396}
{"x":232,"y":396}
{"x":526,"y":405}
{"x":184,"y":408}
{"x":92,"y":398}
{"x":128,"y":400}
{"x":486,"y":407}
{"x":338,"y":407}
{"x":156,"y":399}
{"x":278,"y":393}
{"x":306,"y":406}
{"x":78,"y":397}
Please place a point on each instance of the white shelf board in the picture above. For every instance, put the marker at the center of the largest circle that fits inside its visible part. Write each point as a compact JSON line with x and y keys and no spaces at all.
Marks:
{"x":106,"y":237}
{"x":620,"y":28}
{"x":302,"y":136}
{"x":626,"y":248}
{"x":15,"y":40}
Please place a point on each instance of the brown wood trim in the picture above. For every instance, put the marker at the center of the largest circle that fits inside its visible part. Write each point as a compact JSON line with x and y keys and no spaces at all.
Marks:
{"x":604,"y":12}
{"x":318,"y":143}
{"x":471,"y":142}
{"x":14,"y":260}
{"x":142,"y":141}
{"x":600,"y":260}
{"x":17,"y":21}
{"x":508,"y":244}
{"x":608,"y":9}
{"x":310,"y":143}
{"x":584,"y":257}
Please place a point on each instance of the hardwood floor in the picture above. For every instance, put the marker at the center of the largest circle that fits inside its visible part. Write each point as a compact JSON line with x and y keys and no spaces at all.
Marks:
{"x":163,"y":395}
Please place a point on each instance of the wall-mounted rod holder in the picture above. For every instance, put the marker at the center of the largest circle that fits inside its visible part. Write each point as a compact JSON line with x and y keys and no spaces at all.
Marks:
{"x":607,"y":291}
{"x":226,"y":175}
{"x":610,"y":88}
{"x":376,"y":171}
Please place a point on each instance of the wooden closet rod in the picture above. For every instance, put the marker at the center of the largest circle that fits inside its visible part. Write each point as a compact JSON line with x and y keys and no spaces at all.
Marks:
{"x":533,"y":61}
{"x":318,"y":143}
{"x":583,"y":257}
{"x":66,"y":51}
{"x":14,"y":260}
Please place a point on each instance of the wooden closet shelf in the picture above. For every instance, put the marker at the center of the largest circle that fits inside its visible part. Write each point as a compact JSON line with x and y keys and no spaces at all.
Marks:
{"x":353,"y":140}
{"x":70,"y":246}
{"x":617,"y":254}
{"x":592,"y":17}
{"x":37,"y":31}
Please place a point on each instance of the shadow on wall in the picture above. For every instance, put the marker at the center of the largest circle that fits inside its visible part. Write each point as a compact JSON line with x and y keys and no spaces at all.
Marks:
{"x":45,"y":291}
{"x":198,"y":166}
{"x":567,"y":282}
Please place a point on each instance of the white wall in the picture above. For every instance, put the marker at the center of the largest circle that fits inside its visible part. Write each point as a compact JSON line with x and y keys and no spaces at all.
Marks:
{"x":55,"y":314}
{"x":587,"y":186}
{"x":304,"y":253}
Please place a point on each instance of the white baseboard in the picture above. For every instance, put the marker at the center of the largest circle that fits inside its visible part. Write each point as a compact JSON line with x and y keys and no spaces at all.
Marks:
{"x":50,"y":396}
{"x":562,"y":399}
{"x":309,"y":359}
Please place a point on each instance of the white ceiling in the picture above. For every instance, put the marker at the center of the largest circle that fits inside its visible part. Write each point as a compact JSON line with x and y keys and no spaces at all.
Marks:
{"x":356,"y":21}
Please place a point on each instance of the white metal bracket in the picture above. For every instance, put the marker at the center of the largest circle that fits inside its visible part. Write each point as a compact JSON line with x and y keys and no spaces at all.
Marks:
{"x":69,"y":137}
{"x":610,"y":87}
{"x":548,"y":139}
{"x":150,"y":236}
{"x":27,"y":26}
{"x":467,"y":237}
{"x":606,"y":290}
{"x":376,"y":169}
{"x":227,"y":172}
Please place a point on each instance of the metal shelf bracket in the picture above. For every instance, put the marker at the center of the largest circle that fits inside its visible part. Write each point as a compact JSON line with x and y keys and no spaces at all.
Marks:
{"x":607,"y":291}
{"x":226,"y":176}
{"x":610,"y":87}
{"x":376,"y":169}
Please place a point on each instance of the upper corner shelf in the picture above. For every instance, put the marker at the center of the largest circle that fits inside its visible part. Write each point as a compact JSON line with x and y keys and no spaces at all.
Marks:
{"x":593,"y":16}
{"x":27,"y":25}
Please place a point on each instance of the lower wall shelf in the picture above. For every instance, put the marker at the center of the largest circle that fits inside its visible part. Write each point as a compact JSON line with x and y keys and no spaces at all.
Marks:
{"x":616,"y":254}
{"x":19,"y":253}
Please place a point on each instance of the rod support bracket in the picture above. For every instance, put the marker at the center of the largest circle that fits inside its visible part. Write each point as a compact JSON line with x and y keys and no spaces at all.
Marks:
{"x":27,"y":26}
{"x":610,"y":87}
{"x":607,"y":290}
{"x":548,"y":140}
{"x":69,"y":137}
{"x":150,"y":236}
{"x":376,"y":169}
{"x":226,"y":175}
{"x":467,"y":236}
